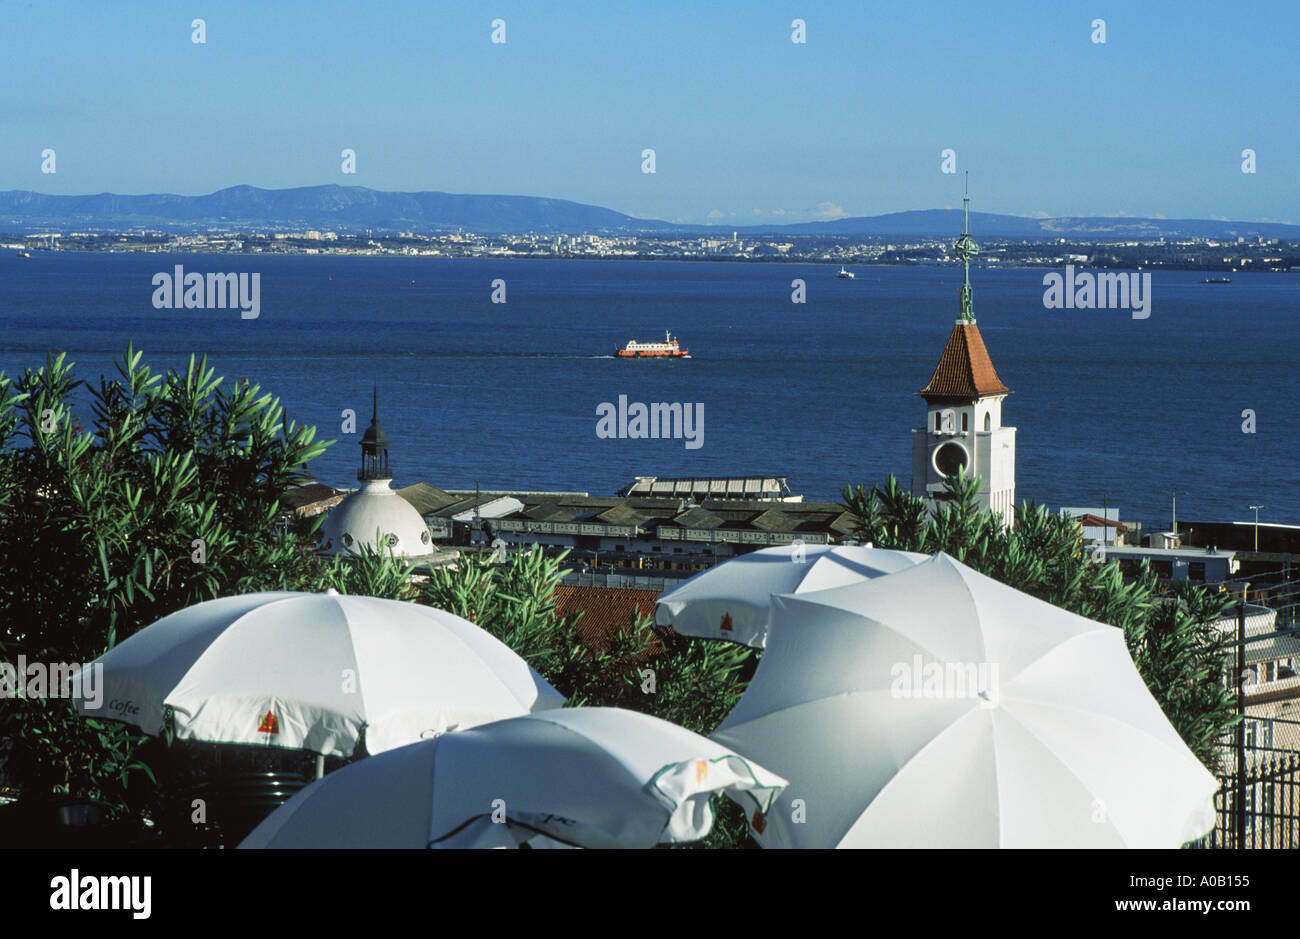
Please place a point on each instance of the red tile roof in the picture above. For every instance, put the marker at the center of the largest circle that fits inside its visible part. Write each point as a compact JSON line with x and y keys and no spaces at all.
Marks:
{"x":1088,"y":520}
{"x":965,"y":370}
{"x":605,"y":610}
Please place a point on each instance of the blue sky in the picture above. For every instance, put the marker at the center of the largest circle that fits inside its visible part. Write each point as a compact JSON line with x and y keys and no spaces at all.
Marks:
{"x":746,"y":125}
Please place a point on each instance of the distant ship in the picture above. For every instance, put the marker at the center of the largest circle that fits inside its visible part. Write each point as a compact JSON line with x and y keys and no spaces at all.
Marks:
{"x":847,"y":275}
{"x":25,"y":254}
{"x":668,"y":349}
{"x":1216,"y":280}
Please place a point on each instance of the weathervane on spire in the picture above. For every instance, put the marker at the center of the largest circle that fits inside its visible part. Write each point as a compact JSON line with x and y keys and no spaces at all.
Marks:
{"x":965,"y":249}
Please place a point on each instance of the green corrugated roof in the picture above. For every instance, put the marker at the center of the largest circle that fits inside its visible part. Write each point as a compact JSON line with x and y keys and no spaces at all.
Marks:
{"x":773,"y":520}
{"x":698,"y":518}
{"x":622,"y":514}
{"x":427,"y":499}
{"x":549,"y":512}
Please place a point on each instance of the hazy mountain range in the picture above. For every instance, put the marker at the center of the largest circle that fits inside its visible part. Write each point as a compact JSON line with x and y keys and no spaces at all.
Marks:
{"x":356,"y":208}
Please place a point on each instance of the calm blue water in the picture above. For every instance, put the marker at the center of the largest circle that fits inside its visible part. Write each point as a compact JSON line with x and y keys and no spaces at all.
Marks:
{"x":505,"y":394}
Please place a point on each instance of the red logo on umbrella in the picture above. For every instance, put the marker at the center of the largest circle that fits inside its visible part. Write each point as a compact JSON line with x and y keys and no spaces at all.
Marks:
{"x":726,"y":622}
{"x":268,"y":724}
{"x":759,"y":821}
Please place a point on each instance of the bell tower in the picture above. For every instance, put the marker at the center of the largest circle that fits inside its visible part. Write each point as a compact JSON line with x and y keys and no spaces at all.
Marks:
{"x":963,"y":427}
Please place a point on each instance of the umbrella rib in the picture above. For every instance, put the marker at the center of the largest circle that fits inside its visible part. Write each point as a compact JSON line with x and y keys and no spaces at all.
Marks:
{"x":1109,"y":719}
{"x":509,"y":822}
{"x":356,"y":659}
{"x":1046,"y":748}
{"x":470,"y":655}
{"x":286,"y":597}
{"x":807,"y":703}
{"x":974,"y":606}
{"x":220,"y":634}
{"x":1097,"y":627}
{"x":474,"y":655}
{"x":1077,"y":637}
{"x":894,"y":780}
{"x":549,"y":719}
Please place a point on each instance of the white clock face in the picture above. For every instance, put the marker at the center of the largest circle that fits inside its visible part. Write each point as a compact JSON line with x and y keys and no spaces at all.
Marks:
{"x":950,"y":458}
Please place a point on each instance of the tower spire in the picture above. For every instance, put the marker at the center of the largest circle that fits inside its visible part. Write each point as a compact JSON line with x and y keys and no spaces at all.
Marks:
{"x":374,"y":447}
{"x":965,"y":249}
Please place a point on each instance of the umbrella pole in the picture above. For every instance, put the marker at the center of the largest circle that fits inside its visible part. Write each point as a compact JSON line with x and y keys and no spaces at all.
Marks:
{"x":320,"y":765}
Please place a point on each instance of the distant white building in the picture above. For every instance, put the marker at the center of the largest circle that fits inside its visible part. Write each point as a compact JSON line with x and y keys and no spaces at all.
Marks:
{"x":771,"y":488}
{"x":1199,"y":565}
{"x":1270,"y":657}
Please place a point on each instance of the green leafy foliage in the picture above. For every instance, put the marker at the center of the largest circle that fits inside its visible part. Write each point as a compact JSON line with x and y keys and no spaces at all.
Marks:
{"x":367,"y":573}
{"x":695,"y":683}
{"x":170,"y":497}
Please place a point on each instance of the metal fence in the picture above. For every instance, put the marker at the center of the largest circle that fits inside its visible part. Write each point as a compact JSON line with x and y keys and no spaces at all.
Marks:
{"x":602,"y":579}
{"x":1258,"y":802}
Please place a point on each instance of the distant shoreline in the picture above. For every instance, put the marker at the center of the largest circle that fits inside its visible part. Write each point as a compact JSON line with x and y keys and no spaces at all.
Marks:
{"x":1046,"y":260}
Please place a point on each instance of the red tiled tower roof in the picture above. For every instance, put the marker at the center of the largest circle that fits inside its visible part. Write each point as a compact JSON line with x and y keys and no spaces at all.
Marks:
{"x":965,"y":371}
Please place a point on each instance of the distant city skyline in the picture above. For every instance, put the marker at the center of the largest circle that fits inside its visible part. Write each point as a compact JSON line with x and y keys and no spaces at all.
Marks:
{"x":747,"y":127}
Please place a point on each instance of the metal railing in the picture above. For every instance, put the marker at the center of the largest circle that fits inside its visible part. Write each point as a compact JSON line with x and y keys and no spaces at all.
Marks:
{"x":1259,"y":808}
{"x":1258,"y":802}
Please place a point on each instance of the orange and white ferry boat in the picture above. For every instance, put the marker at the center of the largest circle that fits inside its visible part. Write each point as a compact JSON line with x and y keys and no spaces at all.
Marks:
{"x":668,"y":349}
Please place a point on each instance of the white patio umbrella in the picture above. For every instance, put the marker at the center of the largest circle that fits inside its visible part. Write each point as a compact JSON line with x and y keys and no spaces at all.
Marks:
{"x":588,"y":777}
{"x":309,"y":671}
{"x":937,"y":707}
{"x":730,"y":601}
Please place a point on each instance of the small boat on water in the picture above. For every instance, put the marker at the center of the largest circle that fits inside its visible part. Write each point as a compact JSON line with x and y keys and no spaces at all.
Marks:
{"x":25,"y":254}
{"x":1216,"y":280}
{"x":847,"y":275}
{"x":668,"y":349}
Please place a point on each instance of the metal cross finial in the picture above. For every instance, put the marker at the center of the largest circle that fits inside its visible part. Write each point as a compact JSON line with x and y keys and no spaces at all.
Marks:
{"x":965,"y":249}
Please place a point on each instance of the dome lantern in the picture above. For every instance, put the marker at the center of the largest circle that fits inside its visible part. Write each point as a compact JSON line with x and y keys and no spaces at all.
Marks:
{"x":374,"y":448}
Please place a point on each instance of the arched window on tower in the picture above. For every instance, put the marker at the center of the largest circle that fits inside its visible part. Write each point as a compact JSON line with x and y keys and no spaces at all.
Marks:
{"x":963,"y":422}
{"x":988,"y":422}
{"x":938,"y":418}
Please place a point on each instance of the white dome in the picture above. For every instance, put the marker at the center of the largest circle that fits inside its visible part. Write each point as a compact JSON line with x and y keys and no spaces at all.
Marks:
{"x":373,"y":508}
